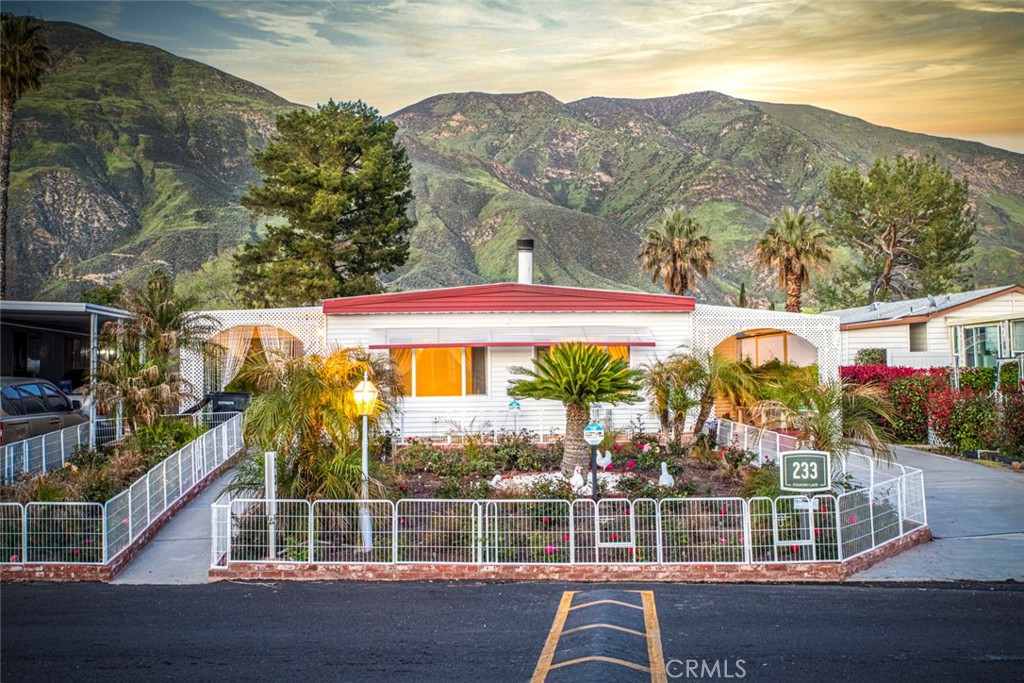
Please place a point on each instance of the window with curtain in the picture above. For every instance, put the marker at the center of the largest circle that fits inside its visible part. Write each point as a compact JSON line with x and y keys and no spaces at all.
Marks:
{"x":1017,"y":336}
{"x":615,"y":351}
{"x":442,"y":371}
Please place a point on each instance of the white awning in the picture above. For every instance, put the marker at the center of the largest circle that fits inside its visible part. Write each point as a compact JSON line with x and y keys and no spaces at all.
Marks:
{"x":392,"y":338}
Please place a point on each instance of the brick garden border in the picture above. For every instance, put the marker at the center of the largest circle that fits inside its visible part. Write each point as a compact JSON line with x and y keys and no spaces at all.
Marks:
{"x":803,"y":572}
{"x":69,"y":571}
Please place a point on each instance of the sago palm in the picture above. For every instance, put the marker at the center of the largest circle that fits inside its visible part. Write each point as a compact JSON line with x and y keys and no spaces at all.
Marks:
{"x":577,"y":375}
{"x":792,"y":246}
{"x":675,"y":252}
{"x":24,"y":58}
{"x":669,"y":384}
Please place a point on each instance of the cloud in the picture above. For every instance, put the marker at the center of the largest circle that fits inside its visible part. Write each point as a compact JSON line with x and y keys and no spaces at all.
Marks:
{"x":926,"y":65}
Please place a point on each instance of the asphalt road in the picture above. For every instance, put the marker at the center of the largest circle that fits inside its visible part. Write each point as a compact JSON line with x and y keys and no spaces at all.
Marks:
{"x":489,"y":633}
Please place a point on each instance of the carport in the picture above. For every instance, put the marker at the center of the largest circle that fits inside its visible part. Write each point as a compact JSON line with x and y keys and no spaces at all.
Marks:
{"x":47,"y":338}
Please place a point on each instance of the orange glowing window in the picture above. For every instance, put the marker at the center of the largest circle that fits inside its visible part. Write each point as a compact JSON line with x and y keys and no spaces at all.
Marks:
{"x":615,"y":351}
{"x":402,"y":360}
{"x":444,"y":371}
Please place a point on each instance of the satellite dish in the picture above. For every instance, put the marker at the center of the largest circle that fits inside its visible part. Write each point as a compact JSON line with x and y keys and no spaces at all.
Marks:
{"x":931,"y":301}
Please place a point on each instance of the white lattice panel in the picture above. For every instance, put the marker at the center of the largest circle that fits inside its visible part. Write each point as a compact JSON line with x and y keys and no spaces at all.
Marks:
{"x":714,"y":324}
{"x":306,"y":324}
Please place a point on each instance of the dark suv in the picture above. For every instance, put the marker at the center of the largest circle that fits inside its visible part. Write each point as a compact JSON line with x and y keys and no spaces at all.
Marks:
{"x":30,"y":407}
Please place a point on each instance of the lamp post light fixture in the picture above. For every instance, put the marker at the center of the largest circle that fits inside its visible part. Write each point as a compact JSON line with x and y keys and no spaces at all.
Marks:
{"x":365,"y":397}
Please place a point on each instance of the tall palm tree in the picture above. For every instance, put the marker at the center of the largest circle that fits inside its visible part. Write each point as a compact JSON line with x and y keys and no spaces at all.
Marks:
{"x":304,"y":410}
{"x":676,"y":251}
{"x":578,"y":376}
{"x":793,"y":245}
{"x":24,"y":58}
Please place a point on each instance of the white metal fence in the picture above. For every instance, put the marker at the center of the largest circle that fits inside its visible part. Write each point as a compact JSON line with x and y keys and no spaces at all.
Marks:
{"x":95,"y":533}
{"x":888,"y":502}
{"x":50,"y":451}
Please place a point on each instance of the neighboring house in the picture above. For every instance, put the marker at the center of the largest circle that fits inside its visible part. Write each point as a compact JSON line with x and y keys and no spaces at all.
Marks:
{"x":966,"y":329}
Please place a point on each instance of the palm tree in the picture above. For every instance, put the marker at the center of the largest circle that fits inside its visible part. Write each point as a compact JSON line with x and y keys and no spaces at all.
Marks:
{"x":833,"y":417}
{"x":304,"y":411}
{"x":669,"y":385}
{"x":792,"y":246}
{"x":578,"y":376}
{"x":24,"y":59}
{"x":141,"y":381}
{"x":715,"y":376}
{"x":676,"y":252}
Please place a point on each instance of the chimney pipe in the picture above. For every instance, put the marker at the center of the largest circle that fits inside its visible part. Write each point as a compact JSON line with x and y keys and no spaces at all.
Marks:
{"x":525,"y":249}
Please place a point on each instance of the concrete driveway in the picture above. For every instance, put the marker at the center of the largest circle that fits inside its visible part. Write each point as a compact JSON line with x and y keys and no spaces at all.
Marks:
{"x":976,"y":514}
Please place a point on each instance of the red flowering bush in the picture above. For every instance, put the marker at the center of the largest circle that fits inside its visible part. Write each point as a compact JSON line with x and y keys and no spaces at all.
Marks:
{"x":964,"y":420}
{"x":908,"y":390}
{"x":1011,"y":433}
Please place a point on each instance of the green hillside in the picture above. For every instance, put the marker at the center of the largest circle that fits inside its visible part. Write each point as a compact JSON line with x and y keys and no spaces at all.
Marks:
{"x":130,"y":158}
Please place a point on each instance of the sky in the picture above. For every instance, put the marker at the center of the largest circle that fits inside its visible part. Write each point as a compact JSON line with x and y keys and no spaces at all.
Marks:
{"x":944,"y":67}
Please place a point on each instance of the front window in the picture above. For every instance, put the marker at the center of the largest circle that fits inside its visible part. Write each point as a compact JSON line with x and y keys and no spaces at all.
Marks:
{"x":442,"y":371}
{"x":981,"y":346}
{"x":615,"y":351}
{"x":1017,"y":336}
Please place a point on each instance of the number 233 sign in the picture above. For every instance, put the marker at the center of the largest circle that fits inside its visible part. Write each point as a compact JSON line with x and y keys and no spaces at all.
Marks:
{"x":805,"y":471}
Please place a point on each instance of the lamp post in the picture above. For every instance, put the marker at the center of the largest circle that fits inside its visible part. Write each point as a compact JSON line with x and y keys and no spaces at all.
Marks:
{"x":365,"y":397}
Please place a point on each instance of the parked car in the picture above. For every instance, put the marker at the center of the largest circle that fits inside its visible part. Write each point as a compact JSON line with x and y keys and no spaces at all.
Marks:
{"x":30,"y":407}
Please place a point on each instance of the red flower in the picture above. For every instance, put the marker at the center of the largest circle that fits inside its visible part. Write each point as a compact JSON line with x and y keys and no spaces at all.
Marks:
{"x":794,"y":548}
{"x":630,"y":464}
{"x":613,"y":537}
{"x":567,"y":537}
{"x":610,"y":467}
{"x":618,"y":447}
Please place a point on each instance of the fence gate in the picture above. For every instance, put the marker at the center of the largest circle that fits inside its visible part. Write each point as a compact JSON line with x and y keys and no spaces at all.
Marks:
{"x":614,"y":526}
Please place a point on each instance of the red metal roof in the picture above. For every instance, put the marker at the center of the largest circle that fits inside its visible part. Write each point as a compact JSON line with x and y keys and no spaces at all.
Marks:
{"x":508,"y":297}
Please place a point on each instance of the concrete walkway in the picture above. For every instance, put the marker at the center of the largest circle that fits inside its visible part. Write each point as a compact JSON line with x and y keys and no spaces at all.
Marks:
{"x":180,"y":552}
{"x":977,"y":518}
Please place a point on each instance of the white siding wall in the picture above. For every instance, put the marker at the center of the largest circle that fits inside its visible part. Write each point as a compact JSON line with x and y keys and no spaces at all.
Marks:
{"x":897,"y":337}
{"x":438,"y":416}
{"x":892,"y":337}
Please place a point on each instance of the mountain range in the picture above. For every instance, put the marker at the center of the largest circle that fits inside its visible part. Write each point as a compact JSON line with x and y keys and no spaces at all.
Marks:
{"x":131,"y":158}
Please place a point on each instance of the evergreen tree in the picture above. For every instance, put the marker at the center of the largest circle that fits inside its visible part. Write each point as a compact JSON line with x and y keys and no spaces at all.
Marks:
{"x":908,"y":221}
{"x":340,"y":180}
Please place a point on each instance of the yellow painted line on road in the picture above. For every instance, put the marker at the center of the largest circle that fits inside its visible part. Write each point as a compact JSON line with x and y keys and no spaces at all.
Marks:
{"x":599,"y":658}
{"x":654,"y":653}
{"x":655,"y":657}
{"x":617,"y":628}
{"x":548,"y":653}
{"x":606,"y":602}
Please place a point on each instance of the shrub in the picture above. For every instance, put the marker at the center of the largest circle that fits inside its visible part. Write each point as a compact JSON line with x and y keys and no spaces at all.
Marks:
{"x":909,"y":397}
{"x":870,"y":357}
{"x":1009,"y":378}
{"x":1011,"y":432}
{"x":978,"y":380}
{"x":964,"y":420}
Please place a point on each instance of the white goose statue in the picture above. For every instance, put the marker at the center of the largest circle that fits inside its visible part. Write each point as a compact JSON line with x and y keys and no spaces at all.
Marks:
{"x":666,"y":479}
{"x":603,"y":461}
{"x":577,"y":478}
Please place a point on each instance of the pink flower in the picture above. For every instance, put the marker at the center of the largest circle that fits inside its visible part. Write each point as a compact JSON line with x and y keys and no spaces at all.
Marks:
{"x":821,"y":508}
{"x":550,"y":549}
{"x":613,"y":537}
{"x":76,"y":551}
{"x":401,"y":520}
{"x":545,"y":519}
{"x":610,"y":467}
{"x":741,"y":538}
{"x":618,"y":447}
{"x":722,"y":454}
{"x":646,"y":448}
{"x":567,"y":538}
{"x":851,"y":519}
{"x":14,"y":558}
{"x":88,"y":541}
{"x":686,"y":481}
{"x":794,"y":548}
{"x":124,"y":521}
{"x":401,"y":487}
{"x":722,"y":539}
{"x":817,"y":532}
{"x":722,"y":511}
{"x":408,"y":439}
{"x":630,"y":551}
{"x":630,"y":464}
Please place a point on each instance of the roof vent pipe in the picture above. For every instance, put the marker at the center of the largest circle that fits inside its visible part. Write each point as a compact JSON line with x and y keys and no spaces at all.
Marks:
{"x":525,"y":249}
